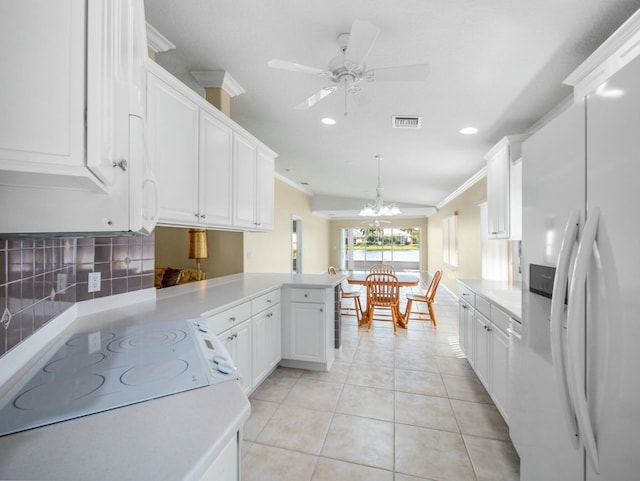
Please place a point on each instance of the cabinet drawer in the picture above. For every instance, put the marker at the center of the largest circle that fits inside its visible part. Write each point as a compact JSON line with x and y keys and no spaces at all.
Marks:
{"x":307,"y":295}
{"x":483,"y":306}
{"x":265,"y":301}
{"x":468,"y":296}
{"x":499,"y":318}
{"x":229,"y":318}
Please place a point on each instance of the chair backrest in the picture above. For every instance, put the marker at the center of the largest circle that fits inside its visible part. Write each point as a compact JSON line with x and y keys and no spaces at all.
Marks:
{"x":433,"y":286}
{"x":382,"y":289}
{"x":332,"y":270}
{"x":383,"y":268}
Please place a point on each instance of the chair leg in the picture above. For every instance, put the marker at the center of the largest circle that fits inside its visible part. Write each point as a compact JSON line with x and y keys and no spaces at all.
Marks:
{"x":432,"y":315}
{"x":358,"y":307}
{"x":370,"y":318}
{"x":407,"y":312}
{"x":395,"y":318}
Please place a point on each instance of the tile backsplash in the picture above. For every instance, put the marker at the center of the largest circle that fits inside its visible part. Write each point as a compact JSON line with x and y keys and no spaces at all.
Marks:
{"x":40,"y":278}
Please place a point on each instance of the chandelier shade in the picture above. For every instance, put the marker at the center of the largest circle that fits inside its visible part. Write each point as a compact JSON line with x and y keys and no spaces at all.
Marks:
{"x":378,"y":208}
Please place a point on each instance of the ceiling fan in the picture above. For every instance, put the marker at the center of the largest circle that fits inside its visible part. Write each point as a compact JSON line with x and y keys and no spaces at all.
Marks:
{"x":375,"y":222}
{"x":348,"y":69}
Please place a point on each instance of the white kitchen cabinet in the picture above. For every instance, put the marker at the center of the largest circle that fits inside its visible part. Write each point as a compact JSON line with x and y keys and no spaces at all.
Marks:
{"x":499,"y":160}
{"x":465,"y":327}
{"x":253,"y":170}
{"x":500,"y":370}
{"x":226,"y":467}
{"x":215,"y":172}
{"x":267,"y":335}
{"x":482,"y":347}
{"x":75,"y":141}
{"x":238,"y":341}
{"x":173,"y":121}
{"x":308,"y":329}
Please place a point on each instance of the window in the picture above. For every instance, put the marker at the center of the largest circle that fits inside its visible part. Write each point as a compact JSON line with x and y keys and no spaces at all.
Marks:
{"x":450,"y":239}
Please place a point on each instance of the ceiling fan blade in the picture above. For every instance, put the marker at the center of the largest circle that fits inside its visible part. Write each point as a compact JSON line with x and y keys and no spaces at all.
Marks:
{"x":405,"y":73}
{"x":361,"y":38}
{"x":319,"y":95}
{"x":296,"y":67}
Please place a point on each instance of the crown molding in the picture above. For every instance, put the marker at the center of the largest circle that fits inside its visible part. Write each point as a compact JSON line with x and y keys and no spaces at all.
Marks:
{"x":471,"y":181}
{"x":218,"y":79}
{"x":156,"y":41}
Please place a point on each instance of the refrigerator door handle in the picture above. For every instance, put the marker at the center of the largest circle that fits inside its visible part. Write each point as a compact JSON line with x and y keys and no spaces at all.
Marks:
{"x":558,"y":353}
{"x":575,"y":333}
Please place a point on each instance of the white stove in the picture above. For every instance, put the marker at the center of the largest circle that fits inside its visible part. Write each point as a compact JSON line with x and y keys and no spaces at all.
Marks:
{"x":93,"y":372}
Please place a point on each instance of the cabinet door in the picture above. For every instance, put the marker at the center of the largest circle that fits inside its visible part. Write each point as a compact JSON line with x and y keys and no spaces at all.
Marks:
{"x":465,"y":328}
{"x":266,"y":186}
{"x":307,"y":332}
{"x":500,"y":370}
{"x":482,"y":347}
{"x":173,"y":146}
{"x":498,"y":193}
{"x":42,"y":128}
{"x":245,"y":178}
{"x":215,"y":177}
{"x":243,"y":354}
{"x":226,"y":465}
{"x":276,"y":337}
{"x":267,"y":335}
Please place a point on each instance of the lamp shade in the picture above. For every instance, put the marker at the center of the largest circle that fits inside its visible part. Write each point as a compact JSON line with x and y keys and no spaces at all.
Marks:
{"x":198,"y":245}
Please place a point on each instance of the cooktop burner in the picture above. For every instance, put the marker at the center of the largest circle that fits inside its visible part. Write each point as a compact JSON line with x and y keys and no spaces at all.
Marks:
{"x":102,"y":370}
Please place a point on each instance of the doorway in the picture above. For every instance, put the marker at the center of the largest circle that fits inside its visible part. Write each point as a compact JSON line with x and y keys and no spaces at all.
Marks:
{"x":296,"y":245}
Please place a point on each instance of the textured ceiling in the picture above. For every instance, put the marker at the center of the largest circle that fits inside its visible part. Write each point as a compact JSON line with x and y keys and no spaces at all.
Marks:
{"x":495,"y":64}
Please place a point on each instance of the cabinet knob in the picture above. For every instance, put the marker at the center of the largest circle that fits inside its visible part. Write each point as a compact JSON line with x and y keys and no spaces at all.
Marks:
{"x":270,"y":314}
{"x":268,"y":301}
{"x":321,"y":309}
{"x":306,"y":295}
{"x":232,"y":319}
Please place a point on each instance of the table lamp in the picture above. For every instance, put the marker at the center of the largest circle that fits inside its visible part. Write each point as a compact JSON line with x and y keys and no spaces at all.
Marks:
{"x":198,"y":249}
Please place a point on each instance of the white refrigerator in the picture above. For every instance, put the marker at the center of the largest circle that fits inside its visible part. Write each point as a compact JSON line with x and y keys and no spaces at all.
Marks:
{"x":574,"y":409}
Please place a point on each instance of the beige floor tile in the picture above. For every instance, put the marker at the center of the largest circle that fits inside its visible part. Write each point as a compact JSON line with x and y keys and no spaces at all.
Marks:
{"x":296,"y":428}
{"x":419,"y":382}
{"x":431,"y":454}
{"x":274,"y":389}
{"x":480,"y":420}
{"x":245,"y":447}
{"x":366,"y":402}
{"x":454,"y":366}
{"x":404,"y":477}
{"x":372,"y":376}
{"x":312,"y":394}
{"x":415,"y":360}
{"x":286,"y":372}
{"x":360,"y":440}
{"x":373,"y":355}
{"x":493,"y":460}
{"x":425,"y":411}
{"x":376,"y":342}
{"x":333,"y":470}
{"x":338,"y":373}
{"x":261,"y":412}
{"x":466,"y":389}
{"x":268,"y":463}
{"x":346,"y":354}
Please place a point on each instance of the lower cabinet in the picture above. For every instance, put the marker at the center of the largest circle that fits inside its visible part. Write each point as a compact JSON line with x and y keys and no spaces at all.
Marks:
{"x":483,"y":339}
{"x":226,"y":467}
{"x":308,"y":328}
{"x":267,"y":335}
{"x":238,"y":341}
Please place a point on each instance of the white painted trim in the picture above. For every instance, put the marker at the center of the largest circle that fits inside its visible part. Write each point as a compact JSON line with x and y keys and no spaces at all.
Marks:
{"x":218,"y":79}
{"x":605,"y":51}
{"x":156,"y":41}
{"x":471,"y":181}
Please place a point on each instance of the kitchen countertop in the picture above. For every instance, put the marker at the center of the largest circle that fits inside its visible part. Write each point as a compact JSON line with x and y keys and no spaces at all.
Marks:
{"x":507,"y":295}
{"x":170,"y":438}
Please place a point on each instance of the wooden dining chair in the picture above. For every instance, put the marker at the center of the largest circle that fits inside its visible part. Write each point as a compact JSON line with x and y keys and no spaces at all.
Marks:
{"x":353,"y":295}
{"x":427,"y":298}
{"x":383,"y":291}
{"x":383,"y":268}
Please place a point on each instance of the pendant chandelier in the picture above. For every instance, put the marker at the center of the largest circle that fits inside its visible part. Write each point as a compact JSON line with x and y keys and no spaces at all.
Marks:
{"x":378,"y":209}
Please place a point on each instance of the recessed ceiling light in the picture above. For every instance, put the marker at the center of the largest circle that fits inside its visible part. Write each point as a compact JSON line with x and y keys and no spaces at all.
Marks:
{"x":469,"y":131}
{"x":328,"y":121}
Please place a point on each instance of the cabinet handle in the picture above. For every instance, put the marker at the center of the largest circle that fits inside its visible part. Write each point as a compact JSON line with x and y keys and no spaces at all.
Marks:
{"x":463,"y":306}
{"x":230,"y":338}
{"x":270,"y":314}
{"x":203,"y":216}
{"x":321,"y":309}
{"x":268,"y":301}
{"x":122,"y":164}
{"x":232,"y":319}
{"x":466,"y":294}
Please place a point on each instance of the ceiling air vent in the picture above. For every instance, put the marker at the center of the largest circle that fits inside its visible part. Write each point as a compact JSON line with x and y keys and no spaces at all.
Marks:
{"x":406,"y":121}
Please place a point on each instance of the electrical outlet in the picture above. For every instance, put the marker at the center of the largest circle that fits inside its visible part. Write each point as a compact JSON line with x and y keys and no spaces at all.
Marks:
{"x":94,"y":281}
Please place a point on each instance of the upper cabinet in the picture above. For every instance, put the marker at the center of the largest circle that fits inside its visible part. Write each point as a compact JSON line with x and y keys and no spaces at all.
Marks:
{"x":499,"y":161}
{"x":211,"y":172}
{"x":72,"y":126}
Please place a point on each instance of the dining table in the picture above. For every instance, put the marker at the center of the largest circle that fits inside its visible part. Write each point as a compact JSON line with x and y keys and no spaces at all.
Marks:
{"x":405,"y":279}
